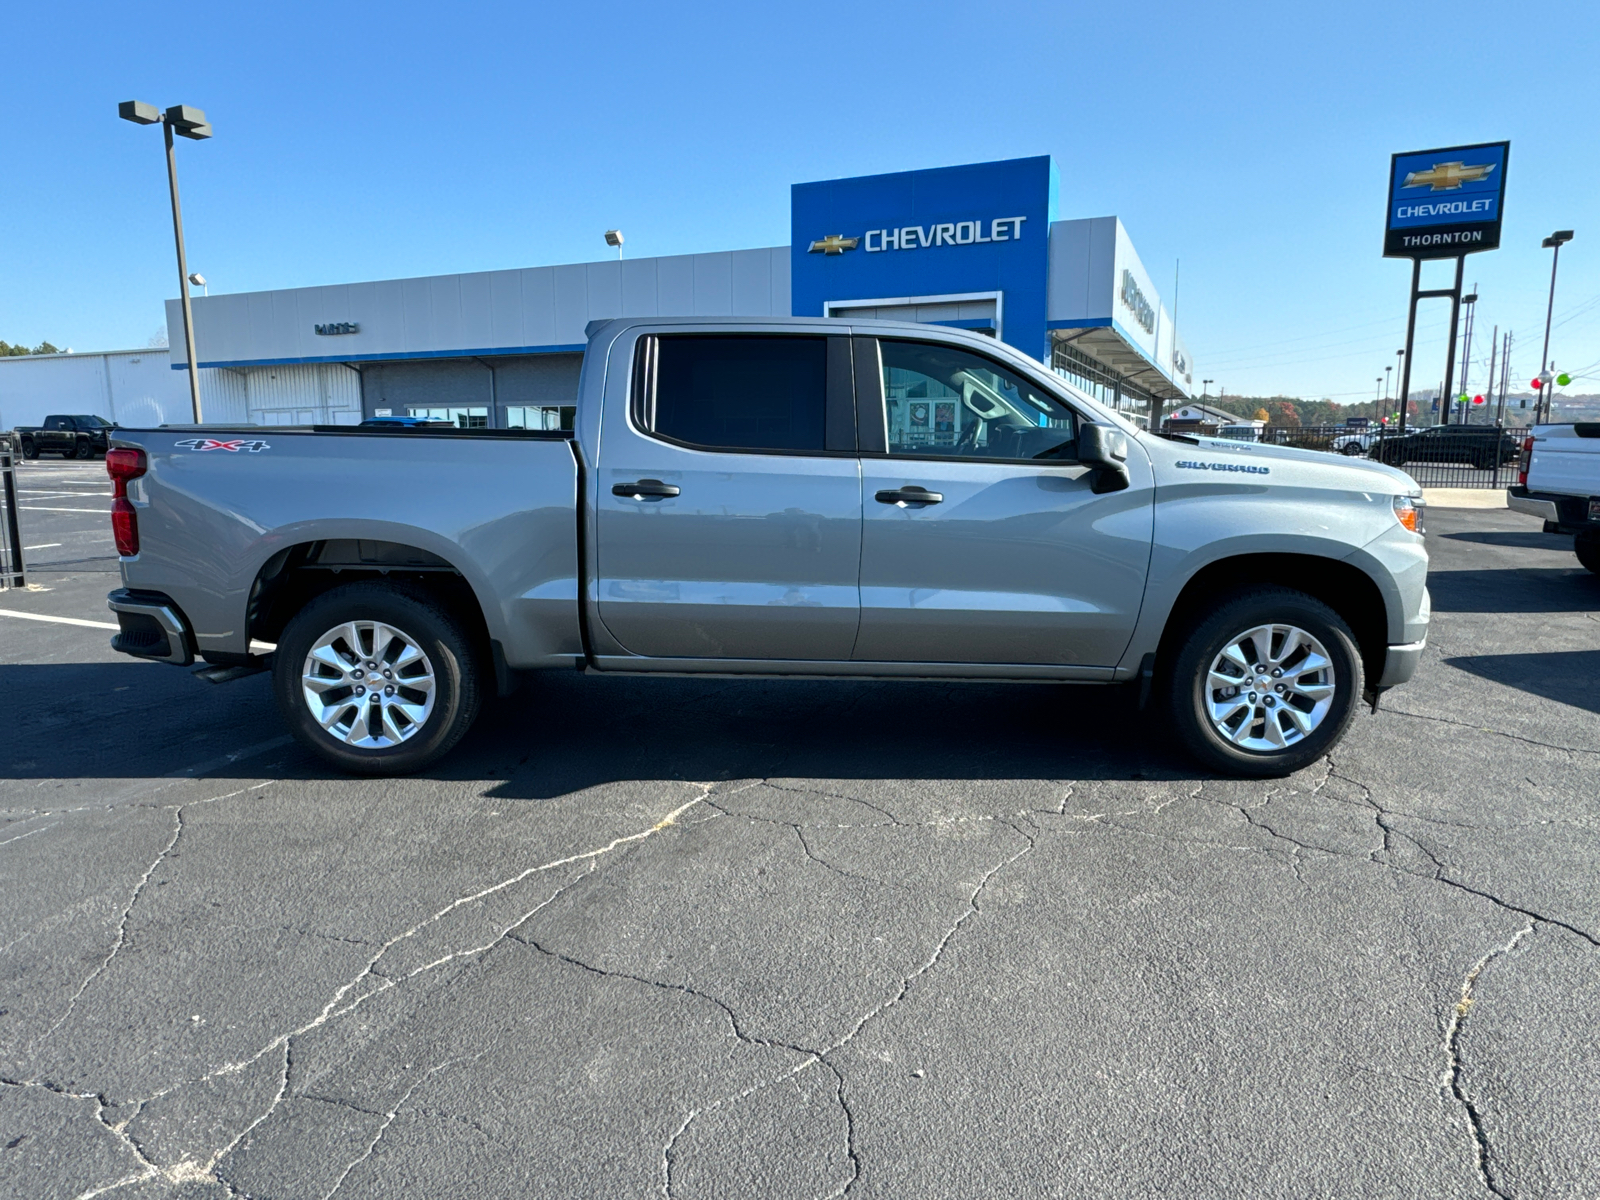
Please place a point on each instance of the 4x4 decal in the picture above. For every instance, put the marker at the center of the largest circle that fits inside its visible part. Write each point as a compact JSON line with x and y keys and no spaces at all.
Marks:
{"x":234,"y":446}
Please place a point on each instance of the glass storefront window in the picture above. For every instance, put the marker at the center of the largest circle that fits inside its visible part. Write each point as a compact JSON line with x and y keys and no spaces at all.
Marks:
{"x":540,"y":416}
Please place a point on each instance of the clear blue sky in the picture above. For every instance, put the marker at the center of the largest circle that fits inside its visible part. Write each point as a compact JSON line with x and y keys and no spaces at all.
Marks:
{"x":355,"y":141}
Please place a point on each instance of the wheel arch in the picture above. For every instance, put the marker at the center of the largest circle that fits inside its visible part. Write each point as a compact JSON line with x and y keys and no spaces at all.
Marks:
{"x":1339,"y":583}
{"x":296,"y":574}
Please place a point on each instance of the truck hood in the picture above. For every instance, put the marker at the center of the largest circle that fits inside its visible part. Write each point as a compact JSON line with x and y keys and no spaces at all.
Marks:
{"x":1365,"y":474}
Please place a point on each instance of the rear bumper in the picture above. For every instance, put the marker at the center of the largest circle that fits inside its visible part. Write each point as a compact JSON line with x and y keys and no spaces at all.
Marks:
{"x":1400,"y":664}
{"x":1561,"y":513}
{"x":151,"y":627}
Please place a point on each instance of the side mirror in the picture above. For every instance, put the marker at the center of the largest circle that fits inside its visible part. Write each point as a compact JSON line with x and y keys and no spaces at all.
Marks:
{"x":1105,"y":450}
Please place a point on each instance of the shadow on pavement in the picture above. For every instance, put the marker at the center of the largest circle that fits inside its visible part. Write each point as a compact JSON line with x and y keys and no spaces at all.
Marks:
{"x":1568,"y":677}
{"x":1513,"y":590}
{"x":562,"y":732}
{"x":1521,"y":539}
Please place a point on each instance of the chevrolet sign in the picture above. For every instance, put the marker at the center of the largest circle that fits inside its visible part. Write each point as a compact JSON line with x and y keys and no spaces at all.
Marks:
{"x":1443,"y":203}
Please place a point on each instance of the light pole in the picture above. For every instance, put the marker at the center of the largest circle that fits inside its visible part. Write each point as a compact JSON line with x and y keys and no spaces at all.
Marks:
{"x":199,"y":281}
{"x":1205,"y":390}
{"x":1471,"y":302}
{"x":1400,"y":357}
{"x":1554,"y":242}
{"x":190,"y":123}
{"x":1388,"y":373}
{"x":614,"y":238}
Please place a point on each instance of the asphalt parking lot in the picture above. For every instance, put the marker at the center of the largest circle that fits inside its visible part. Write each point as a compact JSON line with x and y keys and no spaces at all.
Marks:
{"x":721,"y":939}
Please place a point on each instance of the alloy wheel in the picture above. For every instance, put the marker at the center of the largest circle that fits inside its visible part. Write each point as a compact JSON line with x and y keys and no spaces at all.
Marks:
{"x":1269,"y":688}
{"x":368,"y":684}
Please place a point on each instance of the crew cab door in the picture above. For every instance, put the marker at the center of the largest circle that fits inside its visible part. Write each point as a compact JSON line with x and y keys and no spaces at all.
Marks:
{"x":56,"y":434}
{"x":982,"y":539}
{"x":729,"y":498}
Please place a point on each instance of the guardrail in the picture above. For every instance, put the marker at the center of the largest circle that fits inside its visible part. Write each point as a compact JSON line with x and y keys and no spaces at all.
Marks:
{"x":1457,"y":456}
{"x":13,"y":572}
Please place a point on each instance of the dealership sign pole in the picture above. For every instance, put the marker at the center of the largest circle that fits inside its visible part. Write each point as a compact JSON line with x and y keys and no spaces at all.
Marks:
{"x":1442,"y":204}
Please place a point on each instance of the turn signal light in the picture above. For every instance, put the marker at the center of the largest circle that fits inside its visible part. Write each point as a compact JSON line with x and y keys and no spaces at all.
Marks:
{"x":1524,"y":461}
{"x":1408,"y":511}
{"x":123,"y":465}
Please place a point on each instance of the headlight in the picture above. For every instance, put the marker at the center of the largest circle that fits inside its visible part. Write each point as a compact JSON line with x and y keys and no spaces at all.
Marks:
{"x":1408,"y":511}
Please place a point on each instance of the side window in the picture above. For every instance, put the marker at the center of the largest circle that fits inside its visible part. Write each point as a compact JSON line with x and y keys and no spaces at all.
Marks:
{"x":942,"y":402}
{"x":737,"y":392}
{"x":55,"y":423}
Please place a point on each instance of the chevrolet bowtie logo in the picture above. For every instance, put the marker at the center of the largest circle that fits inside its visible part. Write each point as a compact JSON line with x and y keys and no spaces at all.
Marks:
{"x":1446,"y":177}
{"x":834,"y":244}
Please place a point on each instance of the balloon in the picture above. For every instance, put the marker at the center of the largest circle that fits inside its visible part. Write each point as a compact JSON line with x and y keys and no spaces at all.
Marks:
{"x":1563,"y":379}
{"x":1477,"y":399}
{"x":1537,"y":384}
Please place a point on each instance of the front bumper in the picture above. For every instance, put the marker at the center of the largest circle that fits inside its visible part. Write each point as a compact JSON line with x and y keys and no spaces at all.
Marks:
{"x":1400,"y":664}
{"x":151,"y":627}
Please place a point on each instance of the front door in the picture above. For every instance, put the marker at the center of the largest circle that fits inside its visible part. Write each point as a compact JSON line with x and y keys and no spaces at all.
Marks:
{"x":730,"y":500}
{"x":982,"y":541}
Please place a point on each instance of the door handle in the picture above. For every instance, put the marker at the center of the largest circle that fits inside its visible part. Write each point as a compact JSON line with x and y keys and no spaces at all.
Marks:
{"x":910,"y":494}
{"x":645,"y":489}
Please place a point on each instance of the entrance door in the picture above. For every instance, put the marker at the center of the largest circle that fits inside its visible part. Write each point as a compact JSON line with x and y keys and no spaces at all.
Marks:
{"x":730,"y":500}
{"x":981,"y":539}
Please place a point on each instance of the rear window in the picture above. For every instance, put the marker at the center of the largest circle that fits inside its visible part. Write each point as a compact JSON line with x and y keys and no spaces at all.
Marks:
{"x":740,"y":392}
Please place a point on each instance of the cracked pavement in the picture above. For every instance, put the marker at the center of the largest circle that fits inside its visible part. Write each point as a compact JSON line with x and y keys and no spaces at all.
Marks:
{"x":680,"y":938}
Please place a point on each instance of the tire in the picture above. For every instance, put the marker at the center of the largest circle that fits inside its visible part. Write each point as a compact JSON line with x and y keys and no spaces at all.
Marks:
{"x":1351,"y":449}
{"x":372,"y":614}
{"x":29,"y":450}
{"x":1587,"y":547}
{"x":84,"y":450}
{"x":1250,"y":750}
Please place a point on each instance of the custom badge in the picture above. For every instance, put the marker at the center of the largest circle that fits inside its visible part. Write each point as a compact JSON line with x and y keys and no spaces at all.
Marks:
{"x":232,"y":446}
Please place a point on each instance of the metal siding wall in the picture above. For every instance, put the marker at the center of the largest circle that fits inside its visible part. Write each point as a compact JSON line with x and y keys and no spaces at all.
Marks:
{"x":427,"y":383}
{"x":224,"y":396}
{"x":327,"y":389}
{"x":482,"y":311}
{"x":131,"y":387}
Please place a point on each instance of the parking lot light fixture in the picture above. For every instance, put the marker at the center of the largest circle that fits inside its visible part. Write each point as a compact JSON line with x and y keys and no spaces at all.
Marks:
{"x":190,"y":122}
{"x":1554,"y":242}
{"x":614,"y":238}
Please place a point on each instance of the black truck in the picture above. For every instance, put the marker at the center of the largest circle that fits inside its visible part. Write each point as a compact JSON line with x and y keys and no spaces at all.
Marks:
{"x":69,"y":436}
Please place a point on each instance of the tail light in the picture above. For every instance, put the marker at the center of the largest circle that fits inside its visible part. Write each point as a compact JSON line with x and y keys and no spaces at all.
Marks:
{"x":1522,"y":463}
{"x":123,"y":465}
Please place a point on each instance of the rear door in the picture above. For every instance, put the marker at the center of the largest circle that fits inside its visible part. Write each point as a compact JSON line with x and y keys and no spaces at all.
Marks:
{"x":729,"y":506}
{"x":56,"y":434}
{"x":982,"y":541}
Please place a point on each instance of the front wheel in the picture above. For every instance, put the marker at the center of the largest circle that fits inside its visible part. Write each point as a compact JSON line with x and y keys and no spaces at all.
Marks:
{"x":29,"y":450}
{"x":1587,"y":547}
{"x":376,"y":678}
{"x":84,"y":450}
{"x":1265,"y":683}
{"x":1351,"y":449}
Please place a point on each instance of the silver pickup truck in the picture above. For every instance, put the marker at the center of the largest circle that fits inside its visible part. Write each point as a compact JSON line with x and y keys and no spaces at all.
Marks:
{"x":780,"y":497}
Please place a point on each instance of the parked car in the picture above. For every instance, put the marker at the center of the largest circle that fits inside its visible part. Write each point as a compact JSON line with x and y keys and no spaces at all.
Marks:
{"x":1357,"y":441}
{"x":1483,"y":446}
{"x":788,"y":497}
{"x":1559,"y":480}
{"x":68,"y":436}
{"x":406,"y":423}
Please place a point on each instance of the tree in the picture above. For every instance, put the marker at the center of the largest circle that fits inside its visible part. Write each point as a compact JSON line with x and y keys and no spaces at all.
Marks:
{"x":1284,"y":415}
{"x":1261,"y":415}
{"x":7,"y":350}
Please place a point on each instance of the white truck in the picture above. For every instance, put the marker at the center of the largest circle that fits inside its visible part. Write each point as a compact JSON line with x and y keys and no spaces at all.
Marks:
{"x":1559,"y":480}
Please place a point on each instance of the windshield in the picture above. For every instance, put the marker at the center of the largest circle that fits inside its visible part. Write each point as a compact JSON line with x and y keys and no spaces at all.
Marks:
{"x":92,"y":421}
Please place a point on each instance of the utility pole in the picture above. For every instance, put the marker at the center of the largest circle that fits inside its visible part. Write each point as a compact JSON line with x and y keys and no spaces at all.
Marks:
{"x":1494,"y":348}
{"x":1505,"y":373}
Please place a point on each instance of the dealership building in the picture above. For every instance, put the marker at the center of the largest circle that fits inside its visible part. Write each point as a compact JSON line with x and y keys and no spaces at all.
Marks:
{"x":978,"y":247}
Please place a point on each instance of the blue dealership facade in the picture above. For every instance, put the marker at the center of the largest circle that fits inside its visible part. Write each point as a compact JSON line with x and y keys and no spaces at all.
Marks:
{"x":979,"y":246}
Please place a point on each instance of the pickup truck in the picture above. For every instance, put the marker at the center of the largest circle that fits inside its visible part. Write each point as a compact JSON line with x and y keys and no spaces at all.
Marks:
{"x":784,"y":497}
{"x":1559,"y":479}
{"x":68,"y":436}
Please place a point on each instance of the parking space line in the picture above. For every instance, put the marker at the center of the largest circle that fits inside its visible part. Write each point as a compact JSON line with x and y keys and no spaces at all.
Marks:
{"x":27,"y":616}
{"x":99,"y":512}
{"x":44,"y":546}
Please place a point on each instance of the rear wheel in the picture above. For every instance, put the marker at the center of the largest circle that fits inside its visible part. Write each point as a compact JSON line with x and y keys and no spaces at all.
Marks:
{"x":1351,"y":449}
{"x":1587,"y":547}
{"x":376,"y":679}
{"x":1265,"y":683}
